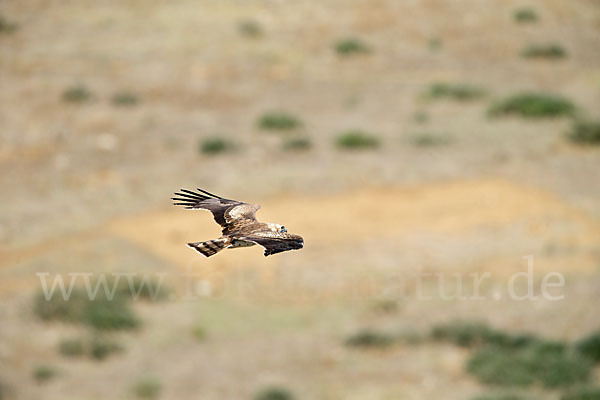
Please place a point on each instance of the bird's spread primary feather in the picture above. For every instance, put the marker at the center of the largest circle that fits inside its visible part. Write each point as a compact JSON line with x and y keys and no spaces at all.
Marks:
{"x":240,"y":227}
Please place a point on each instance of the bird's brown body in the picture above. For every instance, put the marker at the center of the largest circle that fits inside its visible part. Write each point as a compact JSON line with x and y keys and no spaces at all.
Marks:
{"x":240,"y":227}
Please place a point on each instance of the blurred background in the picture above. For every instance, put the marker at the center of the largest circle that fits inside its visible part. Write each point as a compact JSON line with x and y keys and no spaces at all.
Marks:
{"x":417,"y":146}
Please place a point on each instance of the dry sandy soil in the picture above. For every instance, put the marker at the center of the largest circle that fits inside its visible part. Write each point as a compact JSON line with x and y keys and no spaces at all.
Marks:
{"x":87,"y":187}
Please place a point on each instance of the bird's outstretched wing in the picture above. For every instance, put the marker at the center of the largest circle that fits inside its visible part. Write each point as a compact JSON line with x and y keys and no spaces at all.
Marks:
{"x":224,"y":211}
{"x":275,"y":242}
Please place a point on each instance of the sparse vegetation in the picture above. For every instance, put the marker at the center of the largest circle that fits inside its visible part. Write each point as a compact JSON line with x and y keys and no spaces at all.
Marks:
{"x":147,"y":388}
{"x":506,"y":396}
{"x":215,"y":145}
{"x":278,"y":121}
{"x":426,"y":139}
{"x":77,"y":94}
{"x":582,"y":393}
{"x":250,"y":28}
{"x":356,"y":139}
{"x":369,"y":339}
{"x":274,"y":393}
{"x":548,"y":51}
{"x":7,"y":26}
{"x":434,"y":44}
{"x":585,"y":132}
{"x":124,"y":99}
{"x":101,"y":347}
{"x":590,"y":346}
{"x":551,"y":364}
{"x":297,"y":144}
{"x":387,"y":306}
{"x":199,"y":333}
{"x":533,"y":105}
{"x":71,"y":347}
{"x":351,"y":45}
{"x":461,"y":92}
{"x":100,"y":313}
{"x":525,"y":15}
{"x":44,"y":373}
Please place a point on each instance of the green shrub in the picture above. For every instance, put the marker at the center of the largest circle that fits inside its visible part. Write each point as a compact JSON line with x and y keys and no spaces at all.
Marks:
{"x":147,"y":388}
{"x":548,"y":363}
{"x":71,"y":347}
{"x":199,"y":333}
{"x":43,"y":373}
{"x":461,"y":92}
{"x":370,"y":339}
{"x":278,"y":121}
{"x":386,"y":306}
{"x":7,"y":26}
{"x":476,"y":333}
{"x":533,"y":105}
{"x":215,"y":145}
{"x":124,"y":99}
{"x":590,"y":346}
{"x":509,"y":396}
{"x":356,"y":139}
{"x":110,"y":315}
{"x":349,"y":46}
{"x":550,"y":51}
{"x":524,"y":15}
{"x":429,"y":139}
{"x":77,"y":94}
{"x":101,"y":347}
{"x":250,"y":28}
{"x":434,"y":44}
{"x":582,"y":393}
{"x":297,"y":144}
{"x":100,"y":313}
{"x":274,"y":393}
{"x":585,"y":132}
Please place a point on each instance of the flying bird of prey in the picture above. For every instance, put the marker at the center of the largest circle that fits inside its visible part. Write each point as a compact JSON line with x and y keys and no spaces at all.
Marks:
{"x":240,"y":227}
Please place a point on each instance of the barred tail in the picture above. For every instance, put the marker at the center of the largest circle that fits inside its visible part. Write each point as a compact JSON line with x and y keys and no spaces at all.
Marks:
{"x":210,"y":247}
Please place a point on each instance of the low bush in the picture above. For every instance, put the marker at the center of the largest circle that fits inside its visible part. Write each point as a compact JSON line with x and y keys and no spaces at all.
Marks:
{"x":461,"y":92}
{"x":101,"y":347}
{"x":76,"y":94}
{"x":250,"y":28}
{"x":525,"y":15}
{"x":590,"y":346}
{"x":585,"y":132}
{"x":278,"y":121}
{"x":547,"y":51}
{"x":429,"y":139}
{"x":44,"y":373}
{"x":147,"y":388}
{"x":199,"y":333}
{"x":356,"y":139}
{"x":71,"y":347}
{"x":101,"y":313}
{"x":582,"y":393}
{"x":509,"y":396}
{"x":351,"y":45}
{"x":215,"y":145}
{"x":7,"y":26}
{"x":274,"y":393}
{"x":550,"y":364}
{"x":369,"y":339}
{"x":124,"y":99}
{"x":533,"y":105}
{"x":297,"y":144}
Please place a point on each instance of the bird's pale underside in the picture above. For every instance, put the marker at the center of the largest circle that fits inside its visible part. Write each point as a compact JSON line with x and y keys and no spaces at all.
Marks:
{"x":240,"y":227}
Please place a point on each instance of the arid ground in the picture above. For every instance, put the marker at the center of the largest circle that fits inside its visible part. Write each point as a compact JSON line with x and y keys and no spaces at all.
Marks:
{"x":106,"y":108}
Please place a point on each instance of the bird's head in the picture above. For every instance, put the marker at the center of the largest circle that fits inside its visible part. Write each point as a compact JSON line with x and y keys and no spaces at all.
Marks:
{"x":277,"y":228}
